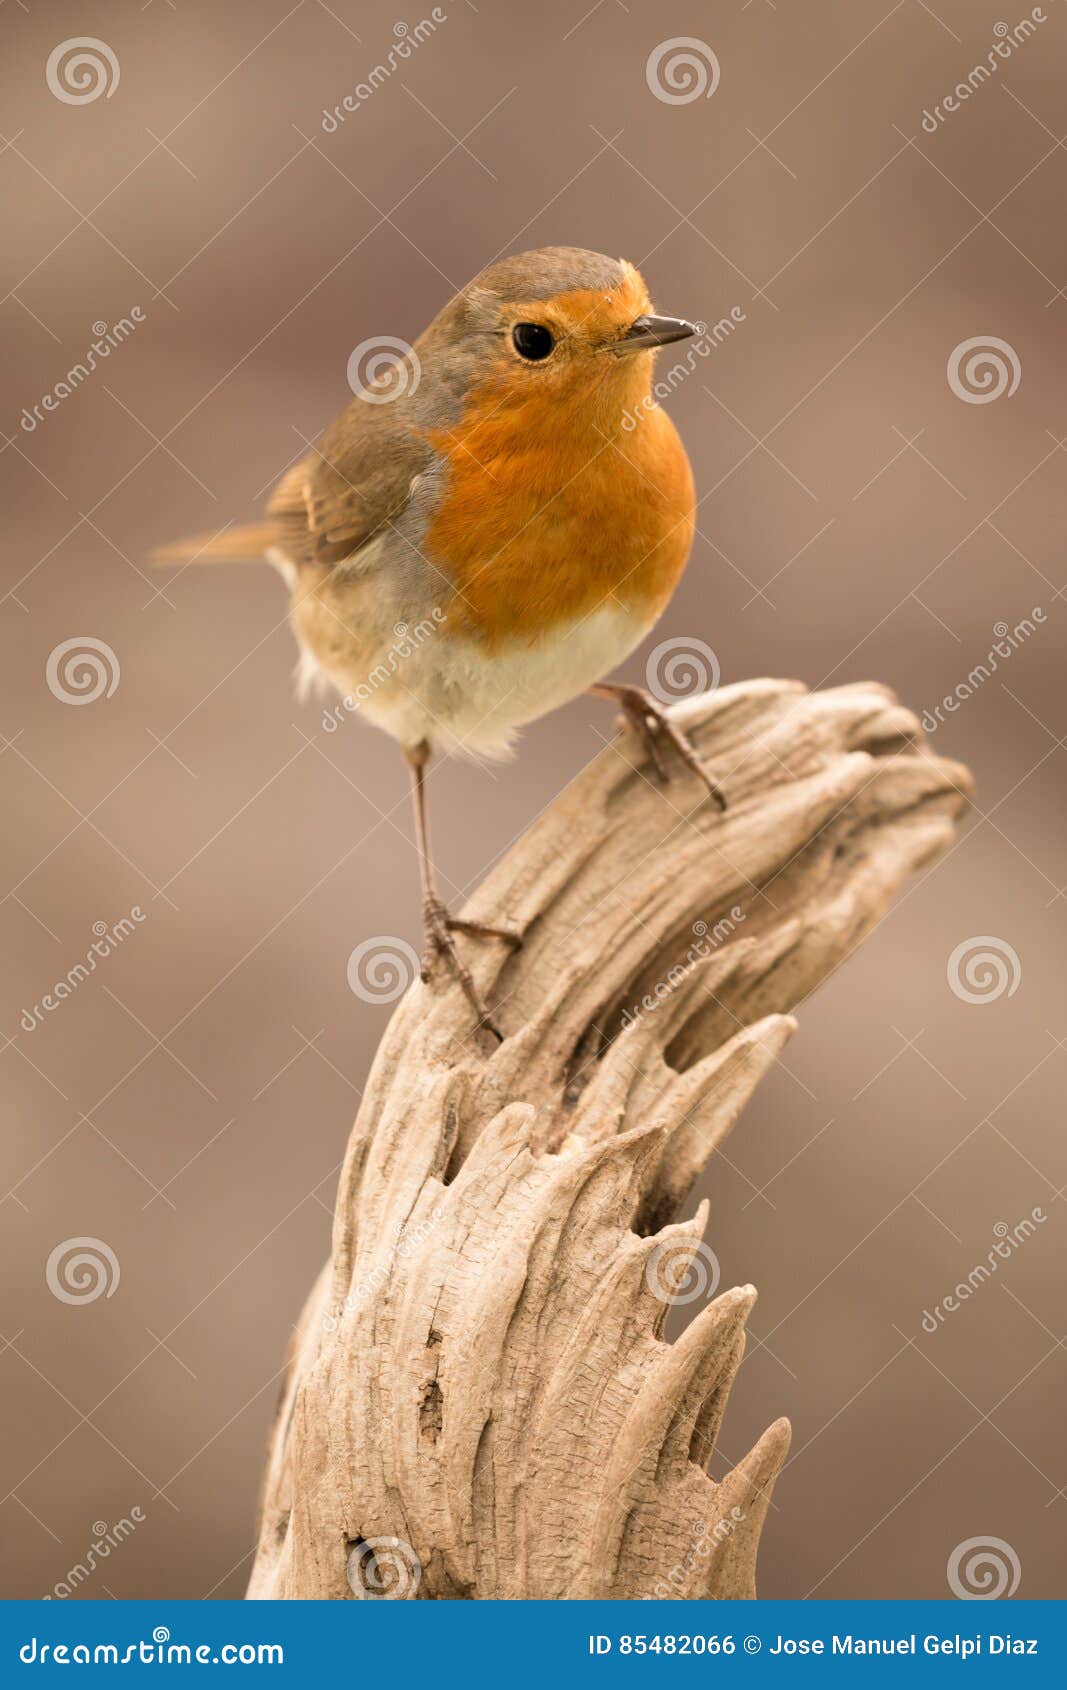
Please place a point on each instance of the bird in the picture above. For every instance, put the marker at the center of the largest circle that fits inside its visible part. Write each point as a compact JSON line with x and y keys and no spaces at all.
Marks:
{"x":509,"y":487}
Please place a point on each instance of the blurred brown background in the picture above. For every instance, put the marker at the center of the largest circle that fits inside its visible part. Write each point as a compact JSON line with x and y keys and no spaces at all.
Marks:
{"x":188,"y":1105}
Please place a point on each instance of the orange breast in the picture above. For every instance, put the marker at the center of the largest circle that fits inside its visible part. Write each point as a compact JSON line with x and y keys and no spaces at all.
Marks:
{"x":545,"y":519}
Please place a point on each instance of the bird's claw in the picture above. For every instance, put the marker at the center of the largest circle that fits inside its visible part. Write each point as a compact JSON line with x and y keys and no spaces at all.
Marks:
{"x":483,"y":930}
{"x":441,"y":946}
{"x":642,"y":711}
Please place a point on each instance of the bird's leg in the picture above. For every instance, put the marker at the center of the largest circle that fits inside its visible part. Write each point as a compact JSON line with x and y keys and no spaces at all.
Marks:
{"x":652,"y":721}
{"x":438,"y":925}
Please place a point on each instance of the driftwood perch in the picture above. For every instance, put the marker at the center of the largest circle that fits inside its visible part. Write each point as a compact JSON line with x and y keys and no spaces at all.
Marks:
{"x":479,"y":1400}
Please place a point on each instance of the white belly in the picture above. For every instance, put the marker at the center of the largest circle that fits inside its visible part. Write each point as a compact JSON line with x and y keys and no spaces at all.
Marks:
{"x":450,"y":692}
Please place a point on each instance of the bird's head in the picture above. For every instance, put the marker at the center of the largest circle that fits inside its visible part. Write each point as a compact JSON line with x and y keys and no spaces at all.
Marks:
{"x":548,"y":328}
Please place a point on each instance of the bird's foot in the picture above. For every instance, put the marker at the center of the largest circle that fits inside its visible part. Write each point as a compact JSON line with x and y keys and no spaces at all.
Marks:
{"x":653,"y":722}
{"x":439,"y":927}
{"x":482,"y":930}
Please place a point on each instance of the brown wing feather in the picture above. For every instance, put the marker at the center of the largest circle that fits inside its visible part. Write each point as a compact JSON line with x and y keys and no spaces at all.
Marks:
{"x":355,"y":482}
{"x":327,"y":506}
{"x":246,"y":544}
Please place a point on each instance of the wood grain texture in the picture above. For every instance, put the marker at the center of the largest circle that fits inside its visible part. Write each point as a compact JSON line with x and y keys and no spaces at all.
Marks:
{"x":479,"y":1400}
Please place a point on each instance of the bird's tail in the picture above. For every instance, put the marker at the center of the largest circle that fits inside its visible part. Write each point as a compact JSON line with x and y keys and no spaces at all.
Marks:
{"x":247,"y":544}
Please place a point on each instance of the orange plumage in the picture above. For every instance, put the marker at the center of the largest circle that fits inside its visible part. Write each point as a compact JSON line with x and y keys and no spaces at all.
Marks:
{"x":551,"y":507}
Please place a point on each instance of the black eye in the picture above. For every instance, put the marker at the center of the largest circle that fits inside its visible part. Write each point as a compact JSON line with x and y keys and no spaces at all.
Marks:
{"x":532,"y":341}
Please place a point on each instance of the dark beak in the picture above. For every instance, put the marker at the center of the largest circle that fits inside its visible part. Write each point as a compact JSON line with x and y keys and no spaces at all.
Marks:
{"x":646,"y":333}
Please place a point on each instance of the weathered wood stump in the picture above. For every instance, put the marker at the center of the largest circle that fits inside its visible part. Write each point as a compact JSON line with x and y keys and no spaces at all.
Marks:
{"x":479,"y":1401}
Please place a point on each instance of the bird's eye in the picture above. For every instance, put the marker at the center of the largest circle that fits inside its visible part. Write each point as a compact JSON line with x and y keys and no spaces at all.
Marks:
{"x":532,"y":341}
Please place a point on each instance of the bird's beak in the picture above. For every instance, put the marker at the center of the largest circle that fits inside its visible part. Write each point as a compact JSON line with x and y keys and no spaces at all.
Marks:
{"x":646,"y":333}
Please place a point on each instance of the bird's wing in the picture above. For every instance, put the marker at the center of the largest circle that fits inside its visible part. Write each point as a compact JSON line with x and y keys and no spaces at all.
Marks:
{"x":326,"y":508}
{"x":355,"y":482}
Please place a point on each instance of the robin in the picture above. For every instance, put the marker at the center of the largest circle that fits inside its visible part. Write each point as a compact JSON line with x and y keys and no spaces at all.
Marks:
{"x":510,"y":489}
